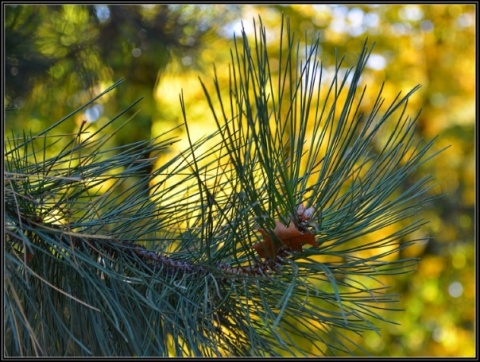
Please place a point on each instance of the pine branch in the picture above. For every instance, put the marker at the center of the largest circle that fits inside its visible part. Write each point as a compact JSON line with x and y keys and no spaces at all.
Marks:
{"x":264,"y":238}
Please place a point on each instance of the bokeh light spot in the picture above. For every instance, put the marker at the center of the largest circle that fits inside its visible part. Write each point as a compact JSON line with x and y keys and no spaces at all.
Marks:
{"x":455,"y":289}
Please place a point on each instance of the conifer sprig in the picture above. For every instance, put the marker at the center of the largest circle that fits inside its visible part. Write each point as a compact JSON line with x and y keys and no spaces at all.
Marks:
{"x":97,"y":267}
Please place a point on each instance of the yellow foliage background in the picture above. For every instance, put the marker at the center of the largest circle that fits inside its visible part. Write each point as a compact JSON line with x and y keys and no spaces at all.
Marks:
{"x":427,"y":44}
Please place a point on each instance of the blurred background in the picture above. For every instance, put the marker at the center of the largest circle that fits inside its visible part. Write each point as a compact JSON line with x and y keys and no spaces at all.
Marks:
{"x":58,"y":57}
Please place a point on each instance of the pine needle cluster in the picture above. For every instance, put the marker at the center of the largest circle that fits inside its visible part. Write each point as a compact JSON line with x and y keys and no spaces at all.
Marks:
{"x":94,"y":266}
